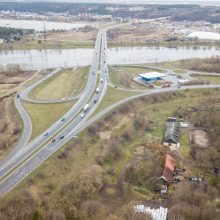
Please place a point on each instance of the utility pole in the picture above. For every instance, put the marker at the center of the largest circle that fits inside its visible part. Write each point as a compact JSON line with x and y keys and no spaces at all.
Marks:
{"x":45,"y":36}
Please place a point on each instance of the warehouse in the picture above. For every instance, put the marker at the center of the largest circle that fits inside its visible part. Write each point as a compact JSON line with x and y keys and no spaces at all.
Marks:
{"x":151,"y":76}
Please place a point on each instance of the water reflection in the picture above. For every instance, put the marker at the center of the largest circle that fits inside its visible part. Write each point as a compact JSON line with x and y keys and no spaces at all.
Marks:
{"x":36,"y":59}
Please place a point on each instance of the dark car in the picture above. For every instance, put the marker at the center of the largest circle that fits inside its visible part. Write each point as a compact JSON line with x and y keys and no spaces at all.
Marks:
{"x":46,"y":134}
{"x":95,"y":100}
{"x":18,"y":96}
{"x":54,"y":140}
{"x":63,"y":119}
{"x":61,"y":137}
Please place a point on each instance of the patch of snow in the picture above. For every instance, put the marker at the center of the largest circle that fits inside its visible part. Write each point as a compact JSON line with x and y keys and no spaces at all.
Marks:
{"x":203,"y":35}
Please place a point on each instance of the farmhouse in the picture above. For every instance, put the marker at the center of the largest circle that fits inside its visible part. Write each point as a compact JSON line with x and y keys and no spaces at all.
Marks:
{"x":167,"y":175}
{"x":151,"y":76}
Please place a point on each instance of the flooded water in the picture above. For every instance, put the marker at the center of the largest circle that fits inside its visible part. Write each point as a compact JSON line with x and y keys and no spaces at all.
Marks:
{"x":37,"y":59}
{"x":39,"y":25}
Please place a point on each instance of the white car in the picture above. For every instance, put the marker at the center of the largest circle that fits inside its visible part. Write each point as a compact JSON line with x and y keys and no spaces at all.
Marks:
{"x":82,"y":115}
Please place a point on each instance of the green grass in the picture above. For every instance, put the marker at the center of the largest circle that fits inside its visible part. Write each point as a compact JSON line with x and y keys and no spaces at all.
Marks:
{"x":178,"y":71}
{"x":32,"y":45}
{"x":164,"y":44}
{"x":184,"y":145}
{"x":64,"y":84}
{"x":113,"y":95}
{"x":177,"y":65}
{"x":44,"y":115}
{"x":210,"y":78}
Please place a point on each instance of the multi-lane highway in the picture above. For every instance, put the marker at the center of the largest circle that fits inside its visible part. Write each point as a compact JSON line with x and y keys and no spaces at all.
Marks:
{"x":26,"y":157}
{"x":60,"y":129}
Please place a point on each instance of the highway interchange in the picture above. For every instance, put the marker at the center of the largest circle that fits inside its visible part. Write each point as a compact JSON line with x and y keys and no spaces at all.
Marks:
{"x":27,"y":156}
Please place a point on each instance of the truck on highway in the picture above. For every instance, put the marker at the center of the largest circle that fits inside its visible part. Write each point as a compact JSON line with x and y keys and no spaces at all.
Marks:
{"x":97,"y":90}
{"x":101,"y":80}
{"x":86,"y":107}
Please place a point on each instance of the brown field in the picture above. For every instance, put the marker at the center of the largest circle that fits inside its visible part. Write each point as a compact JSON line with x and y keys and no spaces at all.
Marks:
{"x":10,"y":126}
{"x":131,"y":34}
{"x":74,"y":35}
{"x":9,"y":82}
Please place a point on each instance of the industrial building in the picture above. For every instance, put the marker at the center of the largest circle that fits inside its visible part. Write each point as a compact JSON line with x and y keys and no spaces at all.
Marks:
{"x":151,"y":76}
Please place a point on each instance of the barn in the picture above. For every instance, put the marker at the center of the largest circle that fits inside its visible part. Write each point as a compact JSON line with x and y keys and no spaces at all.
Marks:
{"x":172,"y":134}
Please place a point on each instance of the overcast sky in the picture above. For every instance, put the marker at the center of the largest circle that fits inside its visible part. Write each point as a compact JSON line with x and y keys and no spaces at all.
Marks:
{"x":208,"y":2}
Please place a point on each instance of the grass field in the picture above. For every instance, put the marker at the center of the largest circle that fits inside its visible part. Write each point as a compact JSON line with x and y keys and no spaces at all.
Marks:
{"x":122,"y":76}
{"x":210,"y":78}
{"x":67,"y":83}
{"x":51,"y":44}
{"x":177,"y":65}
{"x":80,"y":154}
{"x":44,"y":115}
{"x":32,"y":45}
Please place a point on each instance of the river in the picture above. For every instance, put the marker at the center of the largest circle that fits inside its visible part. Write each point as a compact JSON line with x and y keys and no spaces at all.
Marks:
{"x":40,"y":25}
{"x":37,"y":59}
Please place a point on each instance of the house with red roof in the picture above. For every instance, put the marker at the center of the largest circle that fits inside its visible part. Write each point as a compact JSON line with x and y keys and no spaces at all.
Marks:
{"x":168,"y":171}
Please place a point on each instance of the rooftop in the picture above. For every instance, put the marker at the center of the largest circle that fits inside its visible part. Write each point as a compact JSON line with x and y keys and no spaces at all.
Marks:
{"x":151,"y":75}
{"x":172,"y":132}
{"x":168,"y":169}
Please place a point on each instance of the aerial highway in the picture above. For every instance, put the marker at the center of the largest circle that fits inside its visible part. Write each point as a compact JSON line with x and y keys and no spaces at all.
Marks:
{"x":26,"y":157}
{"x":72,"y":118}
{"x":17,"y":154}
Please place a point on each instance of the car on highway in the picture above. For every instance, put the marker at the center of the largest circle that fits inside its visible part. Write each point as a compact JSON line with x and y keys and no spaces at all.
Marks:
{"x":61,"y":137}
{"x":86,"y":107}
{"x":97,"y":90}
{"x":64,"y":99}
{"x":95,"y":100}
{"x":46,"y":134}
{"x":82,"y":115}
{"x":54,"y":140}
{"x":18,"y":96}
{"x":101,"y":80}
{"x":63,"y":119}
